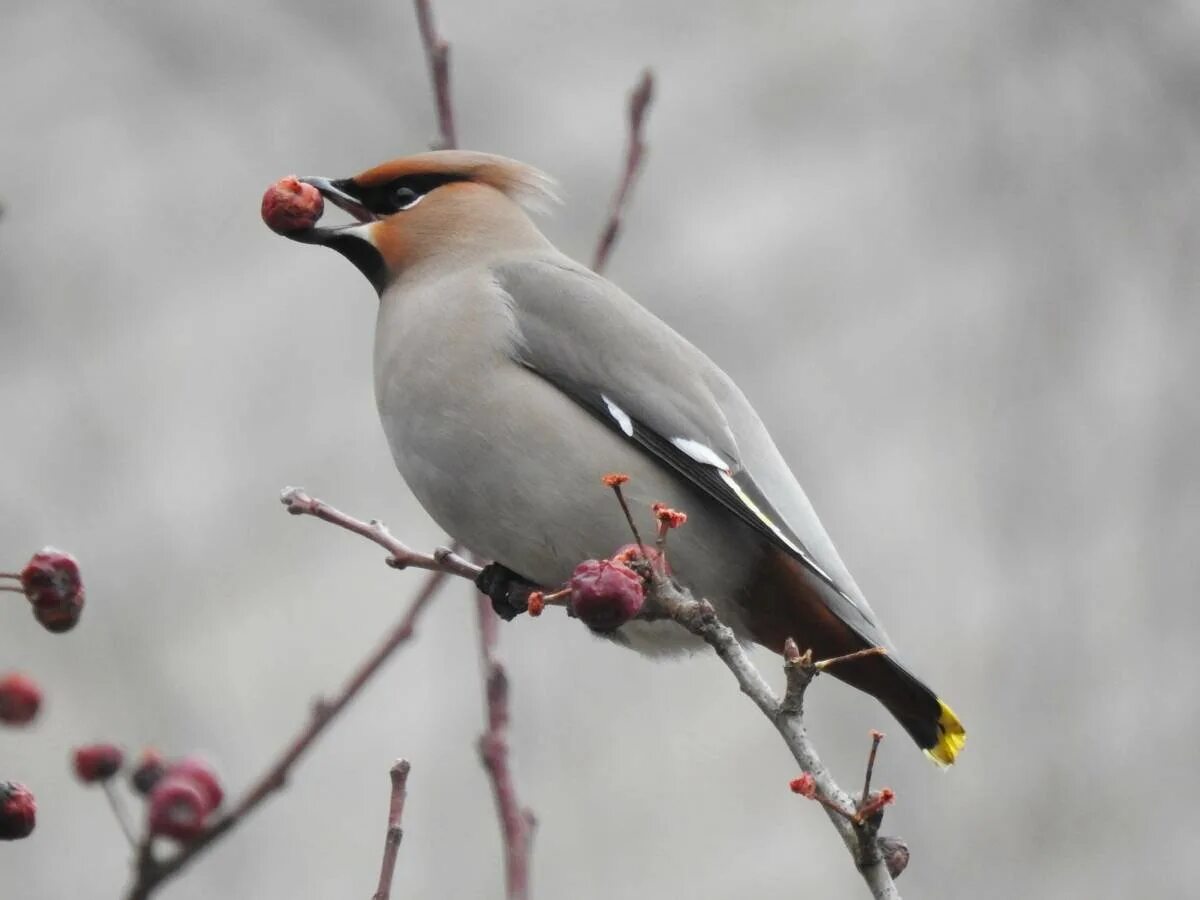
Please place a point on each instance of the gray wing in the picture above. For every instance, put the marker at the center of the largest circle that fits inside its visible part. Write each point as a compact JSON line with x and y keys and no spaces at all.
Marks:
{"x":638,"y":376}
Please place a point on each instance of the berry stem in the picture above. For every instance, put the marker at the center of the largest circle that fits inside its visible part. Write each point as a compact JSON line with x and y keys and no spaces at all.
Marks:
{"x":16,"y":576}
{"x":11,"y":590}
{"x":119,"y":812}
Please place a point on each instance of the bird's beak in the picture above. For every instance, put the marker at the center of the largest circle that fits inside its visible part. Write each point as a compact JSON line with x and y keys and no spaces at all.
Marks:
{"x":335,"y":194}
{"x":353,"y":241}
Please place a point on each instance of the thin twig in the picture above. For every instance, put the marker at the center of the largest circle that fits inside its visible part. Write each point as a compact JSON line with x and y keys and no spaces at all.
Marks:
{"x":443,"y":559}
{"x":13,"y":590}
{"x":437,"y":52}
{"x":151,"y":872}
{"x":876,"y":737}
{"x":119,"y":812}
{"x":391,"y":842}
{"x":635,"y":152}
{"x":614,"y":480}
{"x":516,"y":823}
{"x":16,"y":575}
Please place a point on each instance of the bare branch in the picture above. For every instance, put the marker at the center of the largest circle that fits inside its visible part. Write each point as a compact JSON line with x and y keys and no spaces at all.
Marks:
{"x":391,"y":842}
{"x":151,"y":872}
{"x":437,"y":52}
{"x":516,"y":824}
{"x":442,"y":559}
{"x":635,"y":152}
{"x":698,"y":617}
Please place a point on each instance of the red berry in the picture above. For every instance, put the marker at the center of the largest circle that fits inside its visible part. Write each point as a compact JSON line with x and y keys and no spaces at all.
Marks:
{"x":146,"y":772}
{"x":18,"y":811}
{"x":52,"y":582}
{"x":98,"y":762}
{"x":290,"y":205}
{"x":20,"y":699}
{"x":201,"y":774}
{"x":178,"y":808}
{"x":605,"y":594}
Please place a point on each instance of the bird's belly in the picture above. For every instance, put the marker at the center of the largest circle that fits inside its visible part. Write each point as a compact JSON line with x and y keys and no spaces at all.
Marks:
{"x":514,"y":471}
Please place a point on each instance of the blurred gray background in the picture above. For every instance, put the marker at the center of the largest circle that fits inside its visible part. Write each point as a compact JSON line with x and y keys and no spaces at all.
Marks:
{"x":951,"y":253}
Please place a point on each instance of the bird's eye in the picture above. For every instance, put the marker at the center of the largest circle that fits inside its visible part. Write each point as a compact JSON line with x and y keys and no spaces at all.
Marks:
{"x":405,"y":198}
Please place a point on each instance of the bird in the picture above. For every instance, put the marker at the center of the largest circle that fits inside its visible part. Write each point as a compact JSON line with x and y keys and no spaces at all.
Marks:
{"x":510,"y":379}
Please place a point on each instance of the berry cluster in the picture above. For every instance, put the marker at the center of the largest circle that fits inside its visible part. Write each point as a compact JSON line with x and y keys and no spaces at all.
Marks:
{"x":52,"y":585}
{"x":181,"y":795}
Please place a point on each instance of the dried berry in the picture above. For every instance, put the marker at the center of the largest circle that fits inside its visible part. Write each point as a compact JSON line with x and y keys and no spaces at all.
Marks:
{"x":895,"y":854}
{"x":290,"y":205}
{"x":52,"y":582}
{"x":18,"y":811}
{"x":20,"y":699}
{"x":178,"y":808}
{"x":200,"y":773}
{"x":98,"y":762}
{"x":605,"y":594}
{"x":147,"y":771}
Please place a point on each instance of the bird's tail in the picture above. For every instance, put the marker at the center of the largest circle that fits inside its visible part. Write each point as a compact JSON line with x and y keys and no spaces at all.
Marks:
{"x":924,"y":715}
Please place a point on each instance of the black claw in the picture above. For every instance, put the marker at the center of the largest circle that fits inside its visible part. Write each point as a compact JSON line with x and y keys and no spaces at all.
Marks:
{"x":508,"y":591}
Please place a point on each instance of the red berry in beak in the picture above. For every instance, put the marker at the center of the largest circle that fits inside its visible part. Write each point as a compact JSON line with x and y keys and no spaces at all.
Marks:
{"x":291,"y":205}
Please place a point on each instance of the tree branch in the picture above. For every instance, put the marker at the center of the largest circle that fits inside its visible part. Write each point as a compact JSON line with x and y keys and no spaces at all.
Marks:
{"x":516,"y":824}
{"x":787,"y":715}
{"x":635,"y":151}
{"x":391,"y":842}
{"x":443,"y":559}
{"x":152,"y":872}
{"x":437,"y":52}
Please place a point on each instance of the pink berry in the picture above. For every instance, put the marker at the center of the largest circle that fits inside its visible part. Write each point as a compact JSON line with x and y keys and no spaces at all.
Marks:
{"x":98,"y":762}
{"x":290,"y":205}
{"x":52,"y":582}
{"x":18,"y":811}
{"x":200,"y":773}
{"x":605,"y":594}
{"x":20,"y":699}
{"x":178,"y":808}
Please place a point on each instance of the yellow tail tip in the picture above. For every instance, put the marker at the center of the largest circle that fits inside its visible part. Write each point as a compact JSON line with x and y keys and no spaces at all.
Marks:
{"x":952,"y":737}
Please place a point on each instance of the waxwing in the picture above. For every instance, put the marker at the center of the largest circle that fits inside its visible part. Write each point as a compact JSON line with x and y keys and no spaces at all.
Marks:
{"x":510,"y":379}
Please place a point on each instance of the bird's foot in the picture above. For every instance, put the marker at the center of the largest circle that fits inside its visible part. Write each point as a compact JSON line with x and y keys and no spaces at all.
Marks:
{"x":508,"y":591}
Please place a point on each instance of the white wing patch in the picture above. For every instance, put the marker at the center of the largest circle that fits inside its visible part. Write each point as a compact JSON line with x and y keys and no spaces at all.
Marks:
{"x":700,"y":453}
{"x":619,"y":415}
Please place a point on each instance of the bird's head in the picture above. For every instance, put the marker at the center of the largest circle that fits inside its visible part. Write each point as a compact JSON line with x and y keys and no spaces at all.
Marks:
{"x":446,"y":204}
